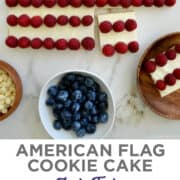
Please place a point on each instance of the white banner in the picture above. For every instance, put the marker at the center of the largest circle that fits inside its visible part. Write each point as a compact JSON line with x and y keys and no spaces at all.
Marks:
{"x":89,"y":160}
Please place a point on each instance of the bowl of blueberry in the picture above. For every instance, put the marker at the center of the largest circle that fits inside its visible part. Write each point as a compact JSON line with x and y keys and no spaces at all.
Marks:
{"x":76,"y":104}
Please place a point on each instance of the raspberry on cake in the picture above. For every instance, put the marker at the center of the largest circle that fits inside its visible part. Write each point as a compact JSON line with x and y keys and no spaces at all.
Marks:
{"x":119,"y":31}
{"x":164,"y":69}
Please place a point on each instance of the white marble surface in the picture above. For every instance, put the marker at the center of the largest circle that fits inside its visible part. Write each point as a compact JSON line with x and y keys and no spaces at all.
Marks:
{"x":35,"y":67}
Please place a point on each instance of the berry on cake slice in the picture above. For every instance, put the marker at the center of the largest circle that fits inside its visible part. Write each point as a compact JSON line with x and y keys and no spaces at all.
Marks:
{"x":61,"y":44}
{"x":75,"y":3}
{"x":149,"y":66}
{"x":170,"y":79}
{"x":36,"y":43}
{"x":105,"y":26}
{"x":74,"y":21}
{"x":63,"y":3}
{"x":24,"y":20}
{"x":11,"y":3}
{"x":108,"y":50}
{"x":48,"y":43}
{"x":170,"y":2}
{"x":49,"y":3}
{"x":148,"y":3}
{"x":177,"y":48}
{"x":11,"y":41}
{"x":23,"y":42}
{"x":74,"y":44}
{"x":12,"y":20}
{"x":89,"y":3}
{"x":161,"y":59}
{"x":130,"y":25}
{"x":118,"y":26}
{"x":50,"y":20}
{"x":176,"y":73}
{"x":125,"y":3}
{"x":113,"y":2}
{"x":161,"y":85}
{"x":159,"y":3}
{"x":88,"y":43}
{"x":121,"y":47}
{"x":36,"y":3}
{"x":36,"y":21}
{"x":24,"y":3}
{"x":62,"y":20}
{"x":87,"y":20}
{"x":171,"y":54}
{"x":101,"y":3}
{"x":133,"y":46}
{"x":137,"y":3}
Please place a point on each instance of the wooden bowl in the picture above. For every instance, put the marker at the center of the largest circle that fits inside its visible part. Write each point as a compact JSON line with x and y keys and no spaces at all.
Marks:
{"x":17,"y":81}
{"x":168,"y":106}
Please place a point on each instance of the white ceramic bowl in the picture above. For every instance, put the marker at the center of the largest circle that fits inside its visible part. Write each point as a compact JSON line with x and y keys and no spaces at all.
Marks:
{"x":47,"y":117}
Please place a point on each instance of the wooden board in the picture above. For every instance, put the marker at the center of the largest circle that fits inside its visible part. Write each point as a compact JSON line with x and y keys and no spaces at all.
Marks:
{"x":168,"y":106}
{"x":18,"y":84}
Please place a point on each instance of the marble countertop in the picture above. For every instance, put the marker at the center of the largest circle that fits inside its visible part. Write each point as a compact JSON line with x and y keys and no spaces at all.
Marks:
{"x":35,"y":67}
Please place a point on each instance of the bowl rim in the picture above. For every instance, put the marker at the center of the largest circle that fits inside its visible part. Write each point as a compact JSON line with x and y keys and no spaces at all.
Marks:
{"x":86,"y":72}
{"x":18,"y":85}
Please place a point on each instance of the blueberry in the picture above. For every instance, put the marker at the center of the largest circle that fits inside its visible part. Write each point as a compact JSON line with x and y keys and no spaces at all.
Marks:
{"x":89,"y":82}
{"x":91,"y":95}
{"x":68,"y":103}
{"x":94,"y":110}
{"x":80,"y":78}
{"x":70,"y":77}
{"x":57,"y":125}
{"x":83,"y":88}
{"x":76,"y":125}
{"x":66,"y":83}
{"x":81,"y":132}
{"x":84,"y":113}
{"x":76,"y":95}
{"x":83,"y":99}
{"x":102,"y":96}
{"x":95,"y":87}
{"x":95,"y":120}
{"x":88,"y":105}
{"x":56,"y":112}
{"x":75,"y":85}
{"x":62,"y":96}
{"x":103,"y":117}
{"x":91,"y":128}
{"x":76,"y":117}
{"x":53,"y":91}
{"x":58,"y":106}
{"x":103,"y":106}
{"x":66,"y":124}
{"x":61,"y":86}
{"x":50,"y":101}
{"x":75,"y":107}
{"x":84,"y":122}
{"x":66,"y":115}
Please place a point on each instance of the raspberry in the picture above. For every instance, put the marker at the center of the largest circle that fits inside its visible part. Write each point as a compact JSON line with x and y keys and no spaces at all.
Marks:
{"x":36,"y":3}
{"x":125,"y":3}
{"x":76,"y":3}
{"x":89,"y":3}
{"x":137,"y":3}
{"x":62,"y":20}
{"x":113,"y":2}
{"x":74,"y":21}
{"x":25,"y":3}
{"x":74,"y":44}
{"x":23,"y":42}
{"x":170,"y":79}
{"x":149,"y":66}
{"x":118,"y":26}
{"x":101,"y":3}
{"x":48,"y":43}
{"x":108,"y":50}
{"x":130,"y":25}
{"x":36,"y":43}
{"x":161,"y":59}
{"x":12,"y":20}
{"x":176,"y":73}
{"x":24,"y":20}
{"x":171,"y":54}
{"x":11,"y":41}
{"x":88,"y":43}
{"x":63,"y":3}
{"x":87,"y":20}
{"x":161,"y":85}
{"x":61,"y":44}
{"x":121,"y":47}
{"x":50,"y":20}
{"x":11,"y":3}
{"x":49,"y":3}
{"x":148,"y":3}
{"x":170,"y":2}
{"x":133,"y":46}
{"x":105,"y":26}
{"x":177,"y":48}
{"x":159,"y":3}
{"x":36,"y":21}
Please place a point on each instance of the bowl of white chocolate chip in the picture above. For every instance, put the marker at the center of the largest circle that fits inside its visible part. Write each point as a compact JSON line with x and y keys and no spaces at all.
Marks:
{"x":10,"y":90}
